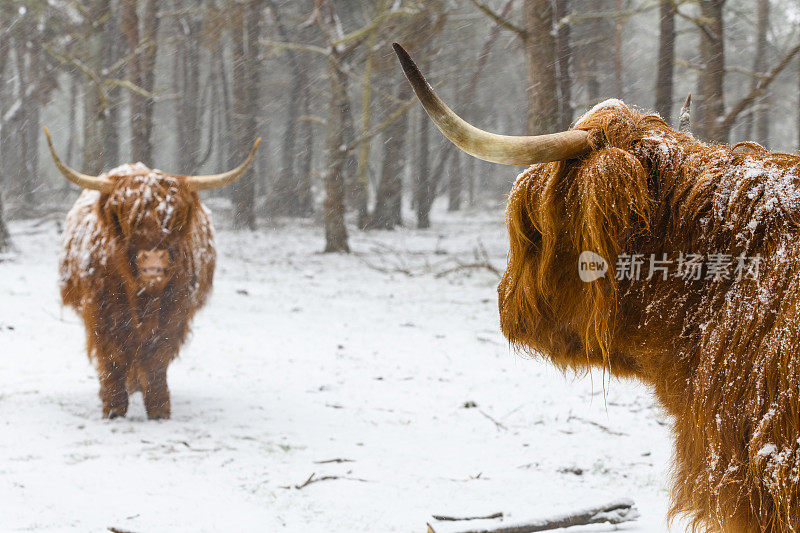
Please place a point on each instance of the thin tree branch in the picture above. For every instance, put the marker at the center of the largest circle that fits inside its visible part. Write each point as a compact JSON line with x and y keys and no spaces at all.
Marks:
{"x":761,"y":87}
{"x":500,"y":20}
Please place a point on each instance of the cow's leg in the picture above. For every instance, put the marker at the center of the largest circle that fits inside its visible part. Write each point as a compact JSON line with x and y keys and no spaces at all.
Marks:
{"x":112,"y":388}
{"x":155,"y":390}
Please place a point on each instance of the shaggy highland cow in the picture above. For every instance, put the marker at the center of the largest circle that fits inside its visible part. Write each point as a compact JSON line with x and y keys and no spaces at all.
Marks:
{"x":719,"y":345}
{"x":137,"y":263}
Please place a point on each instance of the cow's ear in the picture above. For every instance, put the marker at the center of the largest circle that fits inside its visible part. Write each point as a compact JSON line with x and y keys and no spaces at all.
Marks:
{"x":612,"y":200}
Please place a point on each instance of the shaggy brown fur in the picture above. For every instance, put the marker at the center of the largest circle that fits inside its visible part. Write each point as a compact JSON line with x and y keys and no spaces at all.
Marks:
{"x":723,"y":355}
{"x":135,"y":327}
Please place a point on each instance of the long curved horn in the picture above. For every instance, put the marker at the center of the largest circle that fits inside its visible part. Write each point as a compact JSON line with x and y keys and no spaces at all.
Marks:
{"x":213,"y":181}
{"x":503,"y":149}
{"x":96,"y":183}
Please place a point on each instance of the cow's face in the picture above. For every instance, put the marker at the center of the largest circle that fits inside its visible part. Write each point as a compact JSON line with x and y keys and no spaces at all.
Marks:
{"x":152,"y":267}
{"x":150,"y":212}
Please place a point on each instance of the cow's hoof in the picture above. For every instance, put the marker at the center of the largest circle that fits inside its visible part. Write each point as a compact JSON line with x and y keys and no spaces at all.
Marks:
{"x":114,"y":412}
{"x":158,"y":416}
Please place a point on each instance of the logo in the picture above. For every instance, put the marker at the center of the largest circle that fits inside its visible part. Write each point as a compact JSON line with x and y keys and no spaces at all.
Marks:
{"x":591,"y":267}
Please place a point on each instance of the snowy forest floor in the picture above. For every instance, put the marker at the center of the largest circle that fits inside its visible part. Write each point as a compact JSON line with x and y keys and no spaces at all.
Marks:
{"x":300,"y":358}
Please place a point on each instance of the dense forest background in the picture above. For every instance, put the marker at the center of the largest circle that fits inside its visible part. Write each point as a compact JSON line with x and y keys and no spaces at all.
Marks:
{"x":187,"y":85}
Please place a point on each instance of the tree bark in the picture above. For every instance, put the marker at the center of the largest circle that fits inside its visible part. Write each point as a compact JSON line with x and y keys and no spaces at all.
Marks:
{"x":425,"y":191}
{"x":245,"y":96}
{"x":362,"y":176}
{"x":26,"y":173}
{"x":540,"y":61}
{"x":95,"y":111}
{"x":114,"y":50}
{"x":305,"y":197}
{"x":666,"y":61}
{"x":564,"y":55}
{"x":712,"y":80}
{"x":762,"y":113}
{"x":619,"y":26}
{"x":148,"y":72}
{"x":5,"y":235}
{"x":286,"y":190}
{"x":141,"y":73}
{"x":186,"y":80}
{"x":335,"y":157}
{"x":388,"y":198}
{"x":455,"y":184}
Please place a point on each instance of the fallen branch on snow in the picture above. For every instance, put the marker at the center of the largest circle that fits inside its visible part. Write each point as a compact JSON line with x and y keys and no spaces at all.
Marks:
{"x":337,"y":460}
{"x":613,"y":513}
{"x":443,"y":518}
{"x":393,"y":261}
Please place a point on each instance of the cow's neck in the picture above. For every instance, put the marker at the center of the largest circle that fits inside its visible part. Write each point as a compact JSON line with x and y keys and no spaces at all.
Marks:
{"x":149,"y":311}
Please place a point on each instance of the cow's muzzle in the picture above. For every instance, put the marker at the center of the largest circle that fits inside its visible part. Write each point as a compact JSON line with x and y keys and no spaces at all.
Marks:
{"x":152,"y":265}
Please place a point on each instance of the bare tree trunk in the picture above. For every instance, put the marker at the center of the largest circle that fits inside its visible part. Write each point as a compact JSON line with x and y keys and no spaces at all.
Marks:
{"x":362,"y":176}
{"x":564,"y":56}
{"x":762,"y":113}
{"x":597,"y":50}
{"x":388,"y":197}
{"x":335,"y":157}
{"x":470,"y":173}
{"x":5,"y":235}
{"x":141,"y":67}
{"x":187,"y":84}
{"x":148,"y":71}
{"x":712,"y":80}
{"x":305,"y":198}
{"x":226,"y":140}
{"x":25,"y":72}
{"x":425,"y":191}
{"x":34,"y":124}
{"x":619,"y":26}
{"x":95,"y":111}
{"x":540,"y":60}
{"x":5,"y":144}
{"x":454,"y":185}
{"x":286,"y":200}
{"x":245,"y":100}
{"x":114,"y":50}
{"x":759,"y":66}
{"x":666,"y":61}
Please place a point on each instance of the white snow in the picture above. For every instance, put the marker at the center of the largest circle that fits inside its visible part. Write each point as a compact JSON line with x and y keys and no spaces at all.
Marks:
{"x":302,"y":357}
{"x":611,"y":103}
{"x":767,"y":449}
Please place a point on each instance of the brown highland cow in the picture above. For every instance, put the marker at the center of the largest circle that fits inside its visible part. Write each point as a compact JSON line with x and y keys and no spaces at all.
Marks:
{"x":137,"y":263}
{"x":720,"y":347}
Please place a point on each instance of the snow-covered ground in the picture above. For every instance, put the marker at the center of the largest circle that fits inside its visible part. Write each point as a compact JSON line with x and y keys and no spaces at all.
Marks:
{"x":301,"y":358}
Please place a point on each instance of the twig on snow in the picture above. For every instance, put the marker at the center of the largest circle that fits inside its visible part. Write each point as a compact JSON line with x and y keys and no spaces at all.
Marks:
{"x":601,"y":427}
{"x":312,"y":479}
{"x":496,"y":423}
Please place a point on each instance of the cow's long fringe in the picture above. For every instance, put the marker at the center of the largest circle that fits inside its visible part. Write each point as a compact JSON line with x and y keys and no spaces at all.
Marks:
{"x":723,"y":354}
